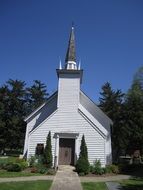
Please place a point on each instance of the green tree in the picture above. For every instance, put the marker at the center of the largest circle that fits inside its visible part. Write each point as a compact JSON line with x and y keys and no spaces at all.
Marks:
{"x":15,"y":114}
{"x":112,"y":103}
{"x":36,"y":95}
{"x":83,"y":149}
{"x":138,"y":78}
{"x":4,"y":102}
{"x":134,"y":112}
{"x":48,"y":151}
{"x":12,"y":125}
{"x":16,"y":100}
{"x":82,"y":165}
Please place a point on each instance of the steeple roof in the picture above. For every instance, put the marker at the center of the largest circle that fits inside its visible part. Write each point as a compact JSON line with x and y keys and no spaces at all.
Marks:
{"x":71,"y":55}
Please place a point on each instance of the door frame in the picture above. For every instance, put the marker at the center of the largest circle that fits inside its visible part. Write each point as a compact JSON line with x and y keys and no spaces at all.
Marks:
{"x":65,"y":135}
{"x":67,"y":144}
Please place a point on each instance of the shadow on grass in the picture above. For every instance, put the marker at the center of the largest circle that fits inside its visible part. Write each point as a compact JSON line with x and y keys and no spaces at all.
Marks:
{"x":136,"y":180}
{"x":135,"y":183}
{"x":132,"y":187}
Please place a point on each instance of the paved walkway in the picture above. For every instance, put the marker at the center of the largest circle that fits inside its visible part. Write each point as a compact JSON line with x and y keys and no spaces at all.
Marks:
{"x":113,"y":186}
{"x":28,"y":178}
{"x":66,"y":179}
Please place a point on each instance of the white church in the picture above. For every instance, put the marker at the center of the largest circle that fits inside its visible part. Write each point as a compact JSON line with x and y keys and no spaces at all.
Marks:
{"x":68,"y":114}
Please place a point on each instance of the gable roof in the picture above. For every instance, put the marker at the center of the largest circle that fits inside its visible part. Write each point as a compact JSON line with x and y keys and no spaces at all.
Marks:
{"x":86,"y":107}
{"x":94,"y":110}
{"x":51,"y":100}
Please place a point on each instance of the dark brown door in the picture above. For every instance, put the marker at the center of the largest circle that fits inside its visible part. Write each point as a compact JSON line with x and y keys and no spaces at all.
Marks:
{"x":66,"y":151}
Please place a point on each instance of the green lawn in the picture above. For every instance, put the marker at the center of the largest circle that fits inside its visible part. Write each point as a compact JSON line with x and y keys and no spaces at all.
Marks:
{"x":94,"y":186}
{"x":17,"y":174}
{"x":133,"y":184}
{"x":28,"y":185}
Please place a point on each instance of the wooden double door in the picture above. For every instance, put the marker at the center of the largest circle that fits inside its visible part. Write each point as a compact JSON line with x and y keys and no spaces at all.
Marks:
{"x":66,"y":151}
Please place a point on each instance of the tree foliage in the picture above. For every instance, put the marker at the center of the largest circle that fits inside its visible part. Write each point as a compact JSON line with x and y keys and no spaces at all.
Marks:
{"x":134,"y":111}
{"x":82,"y":165}
{"x":16,"y":100}
{"x":111,"y":102}
{"x":48,"y":151}
{"x":126,"y":112}
{"x":37,"y":94}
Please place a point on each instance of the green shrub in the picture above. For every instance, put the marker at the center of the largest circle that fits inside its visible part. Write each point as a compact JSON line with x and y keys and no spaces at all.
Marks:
{"x":42,"y":170}
{"x":14,"y":167}
{"x":82,"y":166}
{"x":22,"y":163}
{"x":83,"y":158}
{"x":112,"y":169}
{"x":109,"y":169}
{"x":98,"y":170}
{"x":8,"y":163}
{"x":104,"y":170}
{"x":91,"y":169}
{"x":2,"y":163}
{"x":32,"y":160}
{"x":41,"y":159}
{"x":5,"y":161}
{"x":48,"y":151}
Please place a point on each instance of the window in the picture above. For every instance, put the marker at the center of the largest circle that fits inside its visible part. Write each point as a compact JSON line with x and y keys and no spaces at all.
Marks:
{"x":39,"y":149}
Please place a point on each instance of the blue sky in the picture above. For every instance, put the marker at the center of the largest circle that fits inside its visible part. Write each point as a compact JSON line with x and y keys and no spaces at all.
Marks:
{"x":109,"y":40}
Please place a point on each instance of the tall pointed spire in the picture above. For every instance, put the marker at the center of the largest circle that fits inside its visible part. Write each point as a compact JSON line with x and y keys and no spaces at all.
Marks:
{"x":70,"y":59}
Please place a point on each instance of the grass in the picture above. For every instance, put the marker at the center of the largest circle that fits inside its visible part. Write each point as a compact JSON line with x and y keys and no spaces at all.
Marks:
{"x":132,"y":184}
{"x":28,"y":185}
{"x":94,"y":186}
{"x":17,"y":174}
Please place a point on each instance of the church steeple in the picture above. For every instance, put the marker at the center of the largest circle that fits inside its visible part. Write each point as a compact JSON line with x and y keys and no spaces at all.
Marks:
{"x":70,"y":70}
{"x":70,"y":60}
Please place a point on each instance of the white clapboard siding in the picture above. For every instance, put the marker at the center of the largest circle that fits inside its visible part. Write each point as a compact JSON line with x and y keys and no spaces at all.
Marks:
{"x":61,"y":122}
{"x":68,"y":93}
{"x":71,"y":112}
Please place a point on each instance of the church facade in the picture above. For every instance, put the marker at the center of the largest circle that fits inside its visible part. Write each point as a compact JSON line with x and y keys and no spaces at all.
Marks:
{"x":69,"y":114}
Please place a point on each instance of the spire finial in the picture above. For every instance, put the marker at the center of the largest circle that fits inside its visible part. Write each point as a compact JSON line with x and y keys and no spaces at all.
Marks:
{"x":79,"y":65}
{"x":70,"y":59}
{"x":60,"y":64}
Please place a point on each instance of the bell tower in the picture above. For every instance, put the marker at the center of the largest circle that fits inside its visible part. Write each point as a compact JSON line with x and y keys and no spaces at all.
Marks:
{"x":70,"y":78}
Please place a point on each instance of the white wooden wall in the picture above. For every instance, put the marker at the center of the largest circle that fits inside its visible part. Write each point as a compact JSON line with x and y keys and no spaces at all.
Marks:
{"x":68,"y":119}
{"x":63,"y":122}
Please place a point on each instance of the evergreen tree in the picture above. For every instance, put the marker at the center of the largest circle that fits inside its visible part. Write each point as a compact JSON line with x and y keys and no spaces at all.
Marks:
{"x":83,"y":149}
{"x":15,"y":102}
{"x":111,"y":102}
{"x":4,"y":102}
{"x":15,"y":114}
{"x":37,"y":95}
{"x":48,"y":151}
{"x":82,"y":165}
{"x":134,"y":112}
